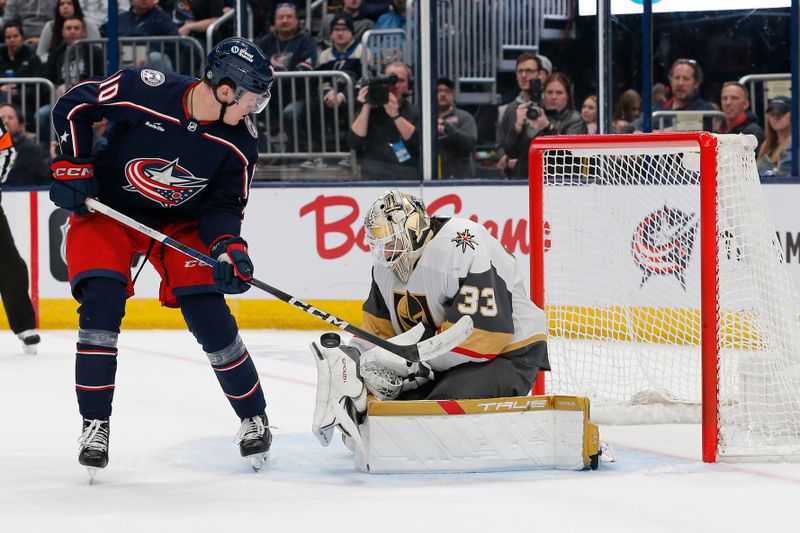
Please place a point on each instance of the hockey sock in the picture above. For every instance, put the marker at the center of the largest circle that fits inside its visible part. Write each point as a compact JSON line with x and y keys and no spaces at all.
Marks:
{"x":102,"y":307}
{"x":240,"y":383}
{"x":95,"y":368}
{"x":210,"y":321}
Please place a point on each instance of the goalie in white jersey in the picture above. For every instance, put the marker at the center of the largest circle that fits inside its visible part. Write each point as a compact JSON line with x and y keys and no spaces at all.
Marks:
{"x":446,"y":280}
{"x":432,"y":271}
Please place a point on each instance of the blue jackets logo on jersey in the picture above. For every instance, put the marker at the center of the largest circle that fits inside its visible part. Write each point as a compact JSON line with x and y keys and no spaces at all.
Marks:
{"x":164,"y":182}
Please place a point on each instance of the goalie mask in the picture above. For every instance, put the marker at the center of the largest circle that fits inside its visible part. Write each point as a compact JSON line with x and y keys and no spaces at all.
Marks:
{"x":397,"y":229}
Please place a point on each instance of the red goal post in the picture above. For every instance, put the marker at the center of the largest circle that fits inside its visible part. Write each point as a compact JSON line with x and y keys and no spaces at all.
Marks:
{"x":639,"y":321}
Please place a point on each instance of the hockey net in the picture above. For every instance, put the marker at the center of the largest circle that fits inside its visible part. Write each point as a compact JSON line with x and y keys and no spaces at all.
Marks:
{"x":665,"y":289}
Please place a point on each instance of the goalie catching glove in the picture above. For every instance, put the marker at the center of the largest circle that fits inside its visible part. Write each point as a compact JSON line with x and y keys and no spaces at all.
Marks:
{"x":387,"y":375}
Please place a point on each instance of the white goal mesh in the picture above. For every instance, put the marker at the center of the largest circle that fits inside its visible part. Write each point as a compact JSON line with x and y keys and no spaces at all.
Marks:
{"x":622,"y":289}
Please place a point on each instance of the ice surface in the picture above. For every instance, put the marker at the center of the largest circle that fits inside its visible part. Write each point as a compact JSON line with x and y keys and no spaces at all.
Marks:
{"x":174,"y":466}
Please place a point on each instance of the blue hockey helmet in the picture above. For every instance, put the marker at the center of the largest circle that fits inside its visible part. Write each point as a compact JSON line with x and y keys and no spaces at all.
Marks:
{"x":246,"y":66}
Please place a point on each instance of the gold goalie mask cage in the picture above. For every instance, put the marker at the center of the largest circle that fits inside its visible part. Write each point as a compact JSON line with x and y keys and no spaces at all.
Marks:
{"x":397,"y":228}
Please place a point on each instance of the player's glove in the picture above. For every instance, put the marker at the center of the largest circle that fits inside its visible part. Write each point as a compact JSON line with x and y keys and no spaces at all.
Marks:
{"x":234,"y":267}
{"x":73,"y":182}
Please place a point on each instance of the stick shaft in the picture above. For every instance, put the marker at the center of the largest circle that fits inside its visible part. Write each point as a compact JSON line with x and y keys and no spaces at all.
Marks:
{"x":410,"y":352}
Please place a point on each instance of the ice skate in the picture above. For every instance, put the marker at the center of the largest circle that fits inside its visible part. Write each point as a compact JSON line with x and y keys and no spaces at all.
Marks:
{"x":93,"y":453}
{"x":254,"y":439}
{"x":30,"y":341}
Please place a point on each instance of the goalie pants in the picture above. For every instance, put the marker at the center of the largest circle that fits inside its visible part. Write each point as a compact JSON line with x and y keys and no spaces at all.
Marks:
{"x":14,"y":282}
{"x":499,"y":378}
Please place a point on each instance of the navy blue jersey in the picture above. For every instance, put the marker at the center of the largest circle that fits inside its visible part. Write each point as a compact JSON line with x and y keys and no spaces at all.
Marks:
{"x":160,"y":166}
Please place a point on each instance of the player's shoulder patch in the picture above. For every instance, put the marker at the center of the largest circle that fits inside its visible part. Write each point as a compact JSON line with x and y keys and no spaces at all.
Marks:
{"x":464,"y":239}
{"x":153,"y":78}
{"x":250,"y":127}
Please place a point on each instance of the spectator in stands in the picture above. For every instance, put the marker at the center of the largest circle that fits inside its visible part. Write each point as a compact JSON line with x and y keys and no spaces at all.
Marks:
{"x":457,"y":134}
{"x":146,"y":19}
{"x":346,"y":55}
{"x":360,"y":23}
{"x":658,"y":95}
{"x":735,"y":101}
{"x":32,"y":14}
{"x":263,"y":12}
{"x":32,"y":166}
{"x":628,"y":110}
{"x":373,"y":9}
{"x":86,"y":60}
{"x":775,"y":155}
{"x":50,"y":39}
{"x":557,"y":118}
{"x":395,"y":18}
{"x":685,"y":78}
{"x":287,"y":47}
{"x":545,"y":69}
{"x":385,"y":136}
{"x":17,"y":59}
{"x":96,"y":12}
{"x":589,"y":113}
{"x":193,"y":17}
{"x":529,"y":67}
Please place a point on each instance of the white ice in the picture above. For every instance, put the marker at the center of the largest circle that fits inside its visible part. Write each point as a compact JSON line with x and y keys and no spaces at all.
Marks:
{"x":174,"y":466}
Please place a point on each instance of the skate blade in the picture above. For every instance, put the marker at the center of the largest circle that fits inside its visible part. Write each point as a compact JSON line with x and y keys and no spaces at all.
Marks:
{"x":258,"y":460}
{"x":29,"y":349}
{"x":92,"y":471}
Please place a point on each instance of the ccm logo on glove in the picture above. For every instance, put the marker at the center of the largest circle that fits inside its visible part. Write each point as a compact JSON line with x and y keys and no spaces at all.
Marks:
{"x":66,"y":170}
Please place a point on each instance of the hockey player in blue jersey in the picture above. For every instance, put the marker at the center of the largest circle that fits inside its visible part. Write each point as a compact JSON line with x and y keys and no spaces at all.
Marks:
{"x":180,"y":157}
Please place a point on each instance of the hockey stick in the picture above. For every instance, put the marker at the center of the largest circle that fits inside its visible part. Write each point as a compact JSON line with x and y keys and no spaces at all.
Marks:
{"x":421,"y":351}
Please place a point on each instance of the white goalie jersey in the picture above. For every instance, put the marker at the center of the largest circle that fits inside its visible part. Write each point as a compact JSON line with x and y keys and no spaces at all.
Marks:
{"x":463,"y":270}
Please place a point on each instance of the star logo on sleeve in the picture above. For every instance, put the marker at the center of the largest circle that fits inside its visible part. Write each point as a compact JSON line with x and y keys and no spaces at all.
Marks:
{"x":464,"y":239}
{"x":63,"y":137}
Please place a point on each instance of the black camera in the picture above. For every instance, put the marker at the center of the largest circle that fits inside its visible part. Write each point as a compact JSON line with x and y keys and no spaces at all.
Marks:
{"x":378,"y":89}
{"x":535,"y":93}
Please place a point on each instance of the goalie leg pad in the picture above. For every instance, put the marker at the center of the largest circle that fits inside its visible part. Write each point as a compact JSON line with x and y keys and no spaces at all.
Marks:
{"x":481,"y":435}
{"x":341,"y":396}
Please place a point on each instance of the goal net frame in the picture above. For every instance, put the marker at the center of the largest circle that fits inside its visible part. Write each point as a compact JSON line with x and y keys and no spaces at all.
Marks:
{"x":709,"y":242}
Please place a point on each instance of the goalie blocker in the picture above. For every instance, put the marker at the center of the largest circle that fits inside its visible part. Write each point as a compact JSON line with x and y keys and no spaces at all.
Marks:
{"x":514,"y":433}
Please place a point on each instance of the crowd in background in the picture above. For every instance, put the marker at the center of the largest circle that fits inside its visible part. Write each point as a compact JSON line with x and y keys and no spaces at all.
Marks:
{"x":383,"y":134}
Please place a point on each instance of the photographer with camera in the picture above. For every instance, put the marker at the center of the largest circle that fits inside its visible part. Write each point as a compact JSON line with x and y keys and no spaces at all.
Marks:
{"x":550,"y":112}
{"x":384,"y":130}
{"x":529,"y":66}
